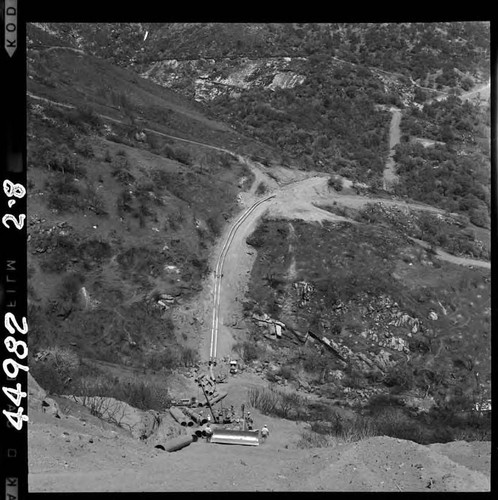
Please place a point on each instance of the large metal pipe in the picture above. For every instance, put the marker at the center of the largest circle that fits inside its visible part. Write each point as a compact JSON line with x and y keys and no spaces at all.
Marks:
{"x":226,"y":436}
{"x":178,"y":443}
{"x":218,"y":398}
{"x":178,"y":415}
{"x":199,"y":433}
{"x":195,"y":416}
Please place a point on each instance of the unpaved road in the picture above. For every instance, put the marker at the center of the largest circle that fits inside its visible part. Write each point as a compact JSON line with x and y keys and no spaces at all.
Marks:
{"x":394,"y":135}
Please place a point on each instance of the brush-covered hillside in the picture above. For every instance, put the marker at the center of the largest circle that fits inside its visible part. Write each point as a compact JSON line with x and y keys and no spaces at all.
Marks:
{"x":320,"y":94}
{"x":122,"y":216}
{"x":312,"y":200}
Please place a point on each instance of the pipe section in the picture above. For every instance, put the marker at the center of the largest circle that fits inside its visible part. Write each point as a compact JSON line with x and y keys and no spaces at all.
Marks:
{"x":195,"y":416}
{"x":178,"y":443}
{"x":218,"y":398}
{"x":178,"y":415}
{"x":227,"y":436}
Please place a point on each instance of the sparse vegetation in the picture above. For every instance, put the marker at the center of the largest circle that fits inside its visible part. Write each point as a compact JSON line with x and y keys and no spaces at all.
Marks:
{"x":335,"y":183}
{"x":168,"y":201}
{"x":261,"y":189}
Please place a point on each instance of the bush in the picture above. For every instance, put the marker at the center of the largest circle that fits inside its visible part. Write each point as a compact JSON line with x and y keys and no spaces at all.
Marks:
{"x":188,"y":356}
{"x":401,"y":377}
{"x":84,"y":115}
{"x":121,"y":172}
{"x":55,"y":370}
{"x":282,"y":404}
{"x":247,"y":351}
{"x":94,"y":252}
{"x":179,"y":154}
{"x":140,"y":394}
{"x":261,"y":189}
{"x":63,"y":250}
{"x":287,"y":373}
{"x":84,"y":147}
{"x":335,"y":183}
{"x":70,"y":286}
{"x":310,"y":439}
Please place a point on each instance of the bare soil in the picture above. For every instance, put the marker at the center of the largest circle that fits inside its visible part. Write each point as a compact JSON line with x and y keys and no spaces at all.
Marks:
{"x":77,"y":453}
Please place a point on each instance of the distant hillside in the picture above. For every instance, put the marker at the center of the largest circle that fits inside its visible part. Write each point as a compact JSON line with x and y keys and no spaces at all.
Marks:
{"x":122,"y":220}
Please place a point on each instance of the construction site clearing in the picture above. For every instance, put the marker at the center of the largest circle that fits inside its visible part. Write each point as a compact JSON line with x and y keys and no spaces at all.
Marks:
{"x":219,"y":425}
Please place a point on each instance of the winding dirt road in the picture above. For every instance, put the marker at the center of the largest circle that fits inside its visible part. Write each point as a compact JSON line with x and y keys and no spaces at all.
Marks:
{"x":294,"y":196}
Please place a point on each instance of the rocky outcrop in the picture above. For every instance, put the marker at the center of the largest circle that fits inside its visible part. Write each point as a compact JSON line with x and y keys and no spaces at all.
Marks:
{"x":206,"y":79}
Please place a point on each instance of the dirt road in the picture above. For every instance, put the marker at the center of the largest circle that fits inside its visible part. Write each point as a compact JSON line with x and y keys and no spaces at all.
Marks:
{"x":390,"y":176}
{"x":296,"y":196}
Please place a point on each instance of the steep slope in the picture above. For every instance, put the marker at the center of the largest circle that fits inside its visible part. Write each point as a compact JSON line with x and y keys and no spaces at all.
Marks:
{"x":135,"y":190}
{"x":77,"y":453}
{"x":122,"y":216}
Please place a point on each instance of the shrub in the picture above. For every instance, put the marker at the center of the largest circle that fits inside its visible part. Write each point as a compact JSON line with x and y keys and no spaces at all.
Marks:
{"x":84,"y":147}
{"x":140,"y":394}
{"x":335,"y":183}
{"x":121,"y":172}
{"x":261,"y":189}
{"x":310,"y":439}
{"x":62,"y":195}
{"x":271,"y":401}
{"x":264,"y":400}
{"x":63,"y":249}
{"x":400,"y":376}
{"x":47,"y":376}
{"x":107,"y":156}
{"x":94,"y":252}
{"x":354,"y":379}
{"x":188,"y":356}
{"x":84,"y":115}
{"x":70,"y":286}
{"x":287,"y":373}
{"x":179,"y":154}
{"x":247,"y":351}
{"x":54,"y":371}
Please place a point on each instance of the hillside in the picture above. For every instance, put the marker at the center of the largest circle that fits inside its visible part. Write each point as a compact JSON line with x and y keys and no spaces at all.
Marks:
{"x":232,"y":201}
{"x":119,"y":217}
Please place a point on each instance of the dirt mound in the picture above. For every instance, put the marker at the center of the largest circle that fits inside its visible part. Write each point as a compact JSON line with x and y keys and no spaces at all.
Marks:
{"x":388,"y":464}
{"x":79,"y":452}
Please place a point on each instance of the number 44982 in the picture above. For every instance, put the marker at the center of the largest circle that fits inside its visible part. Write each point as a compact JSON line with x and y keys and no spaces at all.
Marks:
{"x":11,"y":368}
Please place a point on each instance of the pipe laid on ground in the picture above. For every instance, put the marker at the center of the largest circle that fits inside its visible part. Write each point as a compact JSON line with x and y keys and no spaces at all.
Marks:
{"x":228,"y":436}
{"x":199,"y":433}
{"x":218,"y":398}
{"x":179,"y":416}
{"x":178,"y":443}
{"x":195,"y":416}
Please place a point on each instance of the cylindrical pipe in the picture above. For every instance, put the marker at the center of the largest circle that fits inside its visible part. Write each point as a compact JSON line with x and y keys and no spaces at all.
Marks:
{"x":195,"y":416}
{"x":198,"y":433}
{"x":178,"y":415}
{"x":219,"y":397}
{"x":178,"y":443}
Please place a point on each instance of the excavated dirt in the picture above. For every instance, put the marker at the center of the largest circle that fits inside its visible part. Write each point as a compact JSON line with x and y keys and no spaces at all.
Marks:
{"x":78,"y":453}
